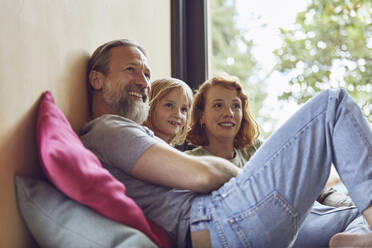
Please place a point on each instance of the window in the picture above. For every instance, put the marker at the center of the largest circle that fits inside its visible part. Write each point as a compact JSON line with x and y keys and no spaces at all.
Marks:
{"x":189,"y":41}
{"x":333,"y":51}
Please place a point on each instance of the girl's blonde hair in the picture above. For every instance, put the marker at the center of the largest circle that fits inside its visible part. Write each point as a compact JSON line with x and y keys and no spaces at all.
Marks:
{"x":248,"y":131}
{"x":159,"y":89}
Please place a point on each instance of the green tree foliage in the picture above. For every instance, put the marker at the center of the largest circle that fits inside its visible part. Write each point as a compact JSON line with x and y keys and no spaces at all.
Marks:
{"x":329,"y":46}
{"x":231,"y":52}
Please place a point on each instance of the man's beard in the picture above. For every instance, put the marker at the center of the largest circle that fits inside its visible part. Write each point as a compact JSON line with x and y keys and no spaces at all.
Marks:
{"x":122,"y":104}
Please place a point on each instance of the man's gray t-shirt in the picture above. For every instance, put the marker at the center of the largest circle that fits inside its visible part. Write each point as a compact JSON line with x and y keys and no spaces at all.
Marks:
{"x":118,"y":143}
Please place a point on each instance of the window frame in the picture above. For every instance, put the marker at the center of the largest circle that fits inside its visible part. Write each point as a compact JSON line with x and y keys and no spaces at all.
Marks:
{"x":189,"y":44}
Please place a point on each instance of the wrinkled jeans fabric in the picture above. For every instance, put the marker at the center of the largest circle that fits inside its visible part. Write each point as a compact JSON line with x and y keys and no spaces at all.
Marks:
{"x":324,"y":221}
{"x":266,"y":204}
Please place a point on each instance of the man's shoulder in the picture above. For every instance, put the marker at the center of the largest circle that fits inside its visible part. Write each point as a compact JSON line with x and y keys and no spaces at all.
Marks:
{"x":116,"y":130}
{"x":109,"y":122}
{"x":117,"y":142}
{"x":113,"y":120}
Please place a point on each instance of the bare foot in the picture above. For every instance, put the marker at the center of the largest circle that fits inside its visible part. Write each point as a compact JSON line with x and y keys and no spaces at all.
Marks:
{"x":348,"y":240}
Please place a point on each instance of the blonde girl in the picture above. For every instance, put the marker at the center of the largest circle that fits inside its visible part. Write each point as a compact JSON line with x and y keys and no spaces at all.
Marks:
{"x":170,"y":103}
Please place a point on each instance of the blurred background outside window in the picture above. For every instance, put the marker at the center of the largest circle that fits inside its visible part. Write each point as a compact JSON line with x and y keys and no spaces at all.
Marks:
{"x":284,"y":52}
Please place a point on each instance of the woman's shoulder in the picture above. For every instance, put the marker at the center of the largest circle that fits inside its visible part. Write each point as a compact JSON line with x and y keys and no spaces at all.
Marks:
{"x":250,"y":150}
{"x":257,"y":143}
{"x":198,"y":151}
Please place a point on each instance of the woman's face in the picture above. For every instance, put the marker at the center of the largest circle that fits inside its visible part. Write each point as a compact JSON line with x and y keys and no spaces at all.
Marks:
{"x":170,"y":114}
{"x":222,"y":114}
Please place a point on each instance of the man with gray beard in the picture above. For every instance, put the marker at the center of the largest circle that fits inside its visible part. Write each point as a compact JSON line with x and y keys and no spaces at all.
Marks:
{"x":121,"y":91}
{"x":207,"y":201}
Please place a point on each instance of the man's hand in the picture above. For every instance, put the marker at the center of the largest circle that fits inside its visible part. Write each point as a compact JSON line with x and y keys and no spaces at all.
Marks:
{"x":164,"y":165}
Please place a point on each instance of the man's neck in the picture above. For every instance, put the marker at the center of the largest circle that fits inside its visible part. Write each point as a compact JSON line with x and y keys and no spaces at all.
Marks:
{"x":100,"y":107}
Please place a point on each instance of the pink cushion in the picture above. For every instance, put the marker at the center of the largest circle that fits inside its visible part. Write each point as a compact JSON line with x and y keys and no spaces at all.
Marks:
{"x":78,"y":173}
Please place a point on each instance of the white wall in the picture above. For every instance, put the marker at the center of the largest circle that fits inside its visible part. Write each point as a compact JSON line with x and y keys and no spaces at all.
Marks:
{"x":45,"y":45}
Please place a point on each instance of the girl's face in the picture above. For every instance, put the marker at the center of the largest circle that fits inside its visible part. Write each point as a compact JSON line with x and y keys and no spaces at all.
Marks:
{"x":170,"y":114}
{"x":222,"y":114}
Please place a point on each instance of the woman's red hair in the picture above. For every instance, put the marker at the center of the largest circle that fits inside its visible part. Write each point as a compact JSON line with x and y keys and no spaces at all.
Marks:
{"x":248,"y":131}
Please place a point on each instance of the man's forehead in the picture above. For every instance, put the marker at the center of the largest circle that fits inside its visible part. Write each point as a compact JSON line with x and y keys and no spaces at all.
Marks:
{"x":129,"y":55}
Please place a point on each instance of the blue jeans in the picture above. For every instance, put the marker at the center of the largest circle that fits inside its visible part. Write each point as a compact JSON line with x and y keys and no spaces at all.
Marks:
{"x":266,"y":204}
{"x":324,"y":221}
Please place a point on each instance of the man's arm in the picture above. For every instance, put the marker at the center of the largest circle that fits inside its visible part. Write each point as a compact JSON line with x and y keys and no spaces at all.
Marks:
{"x":164,"y":165}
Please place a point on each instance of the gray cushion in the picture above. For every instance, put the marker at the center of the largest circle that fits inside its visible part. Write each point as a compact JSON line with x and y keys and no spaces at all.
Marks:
{"x":57,"y":221}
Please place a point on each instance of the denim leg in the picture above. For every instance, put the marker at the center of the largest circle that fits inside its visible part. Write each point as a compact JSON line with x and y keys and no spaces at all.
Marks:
{"x":267,"y":202}
{"x":324,"y":221}
{"x":297,"y":158}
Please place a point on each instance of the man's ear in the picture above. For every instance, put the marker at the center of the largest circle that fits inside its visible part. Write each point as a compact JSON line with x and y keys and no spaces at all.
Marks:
{"x":96,"y":79}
